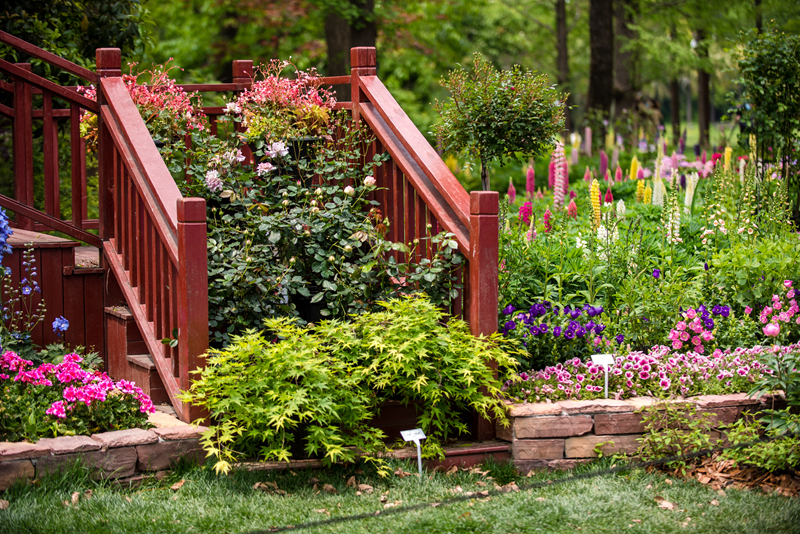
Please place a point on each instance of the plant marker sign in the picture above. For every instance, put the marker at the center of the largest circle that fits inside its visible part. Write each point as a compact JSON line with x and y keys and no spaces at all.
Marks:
{"x":415,"y":435}
{"x":605,"y":360}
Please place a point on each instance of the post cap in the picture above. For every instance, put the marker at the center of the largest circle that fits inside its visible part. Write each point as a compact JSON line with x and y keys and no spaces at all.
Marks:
{"x":363,"y":56}
{"x":191,"y":210}
{"x":484,"y":203}
{"x":109,"y":61}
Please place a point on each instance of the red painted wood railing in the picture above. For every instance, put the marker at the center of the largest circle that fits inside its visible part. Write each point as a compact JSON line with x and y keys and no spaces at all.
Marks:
{"x":154,"y":240}
{"x":29,"y":89}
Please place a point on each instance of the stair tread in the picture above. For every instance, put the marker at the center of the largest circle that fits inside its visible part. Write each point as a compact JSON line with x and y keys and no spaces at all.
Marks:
{"x":87,"y":257}
{"x":142,"y":360}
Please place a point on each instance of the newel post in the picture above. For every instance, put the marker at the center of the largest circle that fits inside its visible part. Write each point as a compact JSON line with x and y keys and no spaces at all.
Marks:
{"x":363,"y":62}
{"x":243,"y":73}
{"x":22,"y":140}
{"x":483,"y":261}
{"x":192,"y":294}
{"x":109,"y":65}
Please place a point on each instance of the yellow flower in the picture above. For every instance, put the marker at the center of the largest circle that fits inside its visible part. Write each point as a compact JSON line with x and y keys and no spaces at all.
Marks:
{"x":728,"y":153}
{"x":594,"y":196}
{"x":648,"y":194}
{"x":634,"y":168}
{"x":639,"y":190}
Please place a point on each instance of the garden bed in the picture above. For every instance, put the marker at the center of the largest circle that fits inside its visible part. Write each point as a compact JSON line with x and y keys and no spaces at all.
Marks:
{"x":565,"y":433}
{"x":125,"y":455}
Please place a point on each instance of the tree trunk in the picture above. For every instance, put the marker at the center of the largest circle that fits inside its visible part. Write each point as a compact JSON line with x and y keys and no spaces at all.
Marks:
{"x":563,"y":58}
{"x":601,"y":62}
{"x":675,"y":109}
{"x":485,"y":174}
{"x":759,"y":23}
{"x":342,"y":33}
{"x":703,"y":92}
{"x":624,"y":79}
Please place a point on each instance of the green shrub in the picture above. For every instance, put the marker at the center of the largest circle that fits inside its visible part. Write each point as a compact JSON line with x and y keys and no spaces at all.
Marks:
{"x":777,"y":454}
{"x":329,"y":382}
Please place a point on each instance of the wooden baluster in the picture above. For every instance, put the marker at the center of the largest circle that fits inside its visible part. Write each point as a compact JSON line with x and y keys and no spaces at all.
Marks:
{"x":78,"y":168}
{"x":409,"y":220}
{"x":388,"y":213}
{"x":23,"y":146}
{"x":172,"y":296}
{"x":363,"y":62}
{"x":398,"y":211}
{"x":109,"y":64}
{"x":51,"y":182}
{"x":149,"y":267}
{"x":243,"y":78}
{"x":192,"y":292}
{"x":420,"y":231}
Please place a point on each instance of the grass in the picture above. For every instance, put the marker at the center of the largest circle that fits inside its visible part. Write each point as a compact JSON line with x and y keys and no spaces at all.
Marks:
{"x":210,"y":504}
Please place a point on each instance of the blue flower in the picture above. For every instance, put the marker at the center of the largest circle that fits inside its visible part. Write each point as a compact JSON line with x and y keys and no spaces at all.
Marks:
{"x":725,"y":311}
{"x":705,"y":265}
{"x":26,"y":290}
{"x":508,"y":310}
{"x":620,"y":338}
{"x":656,"y":273}
{"x":60,"y":325}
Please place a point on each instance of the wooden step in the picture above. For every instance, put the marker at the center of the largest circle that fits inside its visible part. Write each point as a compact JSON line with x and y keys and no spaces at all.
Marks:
{"x":142,"y":360}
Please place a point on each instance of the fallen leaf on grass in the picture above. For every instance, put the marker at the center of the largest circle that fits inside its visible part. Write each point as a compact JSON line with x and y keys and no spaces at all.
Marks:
{"x":663,"y":503}
{"x":351,"y":481}
{"x":313,"y":481}
{"x":435,"y":504}
{"x":128,"y":499}
{"x":457,"y":489}
{"x":540,"y":499}
{"x":636,"y":520}
{"x":402,"y":474}
{"x":87,"y":494}
{"x":452,"y":471}
{"x":392,"y":504}
{"x":715,"y":502}
{"x":178,"y":485}
{"x":327,"y":488}
{"x":74,"y":498}
{"x":480,"y":483}
{"x":323,"y":511}
{"x":384,"y":498}
{"x":668,"y":481}
{"x":4,"y":504}
{"x":366,"y":488}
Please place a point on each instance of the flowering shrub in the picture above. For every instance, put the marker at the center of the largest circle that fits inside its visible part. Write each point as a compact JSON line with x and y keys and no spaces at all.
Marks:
{"x":276,"y":108}
{"x":658,"y":373}
{"x":168,"y":111}
{"x":64,"y":399}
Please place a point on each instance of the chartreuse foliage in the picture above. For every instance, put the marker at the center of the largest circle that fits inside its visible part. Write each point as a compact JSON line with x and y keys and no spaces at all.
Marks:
{"x":330,"y":381}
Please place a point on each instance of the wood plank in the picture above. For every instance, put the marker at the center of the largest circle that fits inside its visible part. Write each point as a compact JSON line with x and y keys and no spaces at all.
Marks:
{"x":77,"y":169}
{"x":51,"y":179}
{"x":52,"y":283}
{"x":37,"y":332}
{"x":74,"y":307}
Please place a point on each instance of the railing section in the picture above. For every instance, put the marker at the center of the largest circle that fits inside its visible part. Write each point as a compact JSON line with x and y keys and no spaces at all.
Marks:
{"x":154,"y":240}
{"x":38,"y":101}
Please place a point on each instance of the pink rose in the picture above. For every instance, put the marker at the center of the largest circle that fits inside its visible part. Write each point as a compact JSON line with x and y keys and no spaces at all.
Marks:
{"x":772,"y":330}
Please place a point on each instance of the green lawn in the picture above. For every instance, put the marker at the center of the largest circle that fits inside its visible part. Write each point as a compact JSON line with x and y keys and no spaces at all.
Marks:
{"x":210,"y":504}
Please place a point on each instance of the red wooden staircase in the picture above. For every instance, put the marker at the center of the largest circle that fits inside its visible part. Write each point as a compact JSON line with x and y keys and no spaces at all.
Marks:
{"x":152,"y":241}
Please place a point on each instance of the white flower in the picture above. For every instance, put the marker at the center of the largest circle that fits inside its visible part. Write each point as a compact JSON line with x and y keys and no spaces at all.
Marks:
{"x":369,"y":181}
{"x":277,"y":149}
{"x":264,"y":168}
{"x":349,"y":191}
{"x":621,"y":209}
{"x":213,"y":181}
{"x":239,"y":156}
{"x":232,"y":107}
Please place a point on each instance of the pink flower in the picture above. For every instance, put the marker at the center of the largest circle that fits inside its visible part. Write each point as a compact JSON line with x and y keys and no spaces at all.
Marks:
{"x":530,"y":181}
{"x":546,"y":218}
{"x":572,"y":209}
{"x":748,"y":310}
{"x":525,"y":212}
{"x":787,"y":284}
{"x":677,"y":345}
{"x":696,"y":341}
{"x":690,"y":313}
{"x":680,"y":326}
{"x":512,"y":192}
{"x":772,"y":330}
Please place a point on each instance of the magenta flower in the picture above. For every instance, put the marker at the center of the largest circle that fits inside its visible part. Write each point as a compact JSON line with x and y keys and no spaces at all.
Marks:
{"x":546,"y":218}
{"x":512,"y":192}
{"x":525,"y":212}
{"x":772,"y":330}
{"x":530,"y":181}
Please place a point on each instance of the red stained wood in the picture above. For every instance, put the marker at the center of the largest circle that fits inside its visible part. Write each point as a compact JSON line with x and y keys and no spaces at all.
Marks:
{"x":417,"y":146}
{"x":74,"y":307}
{"x":23,"y":146}
{"x":484,"y":236}
{"x":47,"y":220}
{"x":48,"y":57}
{"x":51,"y":178}
{"x":51,"y":281}
{"x":46,"y":85}
{"x":78,"y":166}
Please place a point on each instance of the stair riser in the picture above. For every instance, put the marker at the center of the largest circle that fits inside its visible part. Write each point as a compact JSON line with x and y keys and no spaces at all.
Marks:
{"x":124,"y":338}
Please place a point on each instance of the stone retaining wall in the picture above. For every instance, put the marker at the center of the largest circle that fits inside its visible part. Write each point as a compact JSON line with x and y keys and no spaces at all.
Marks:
{"x":122,"y":454}
{"x":562,"y":434}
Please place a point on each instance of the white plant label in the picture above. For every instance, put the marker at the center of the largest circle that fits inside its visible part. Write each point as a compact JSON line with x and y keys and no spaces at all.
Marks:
{"x":413,"y":435}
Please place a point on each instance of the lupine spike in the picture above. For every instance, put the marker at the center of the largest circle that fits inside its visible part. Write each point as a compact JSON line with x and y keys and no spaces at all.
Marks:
{"x":603,"y":163}
{"x":609,"y":199}
{"x":572,"y":209}
{"x":640,"y":174}
{"x":587,"y":176}
{"x":648,"y":195}
{"x":588,"y":141}
{"x":728,"y":154}
{"x":530,"y":181}
{"x":551,"y":174}
{"x":546,"y":218}
{"x":560,"y":178}
{"x":618,"y":174}
{"x":574,"y":156}
{"x":594,"y":197}
{"x":512,"y":192}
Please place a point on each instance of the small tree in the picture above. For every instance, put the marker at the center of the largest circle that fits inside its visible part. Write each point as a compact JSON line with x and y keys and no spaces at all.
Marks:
{"x":499,"y":114}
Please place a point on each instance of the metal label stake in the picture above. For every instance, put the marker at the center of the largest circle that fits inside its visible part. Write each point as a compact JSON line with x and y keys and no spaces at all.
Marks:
{"x":415,"y":435}
{"x":605,"y":360}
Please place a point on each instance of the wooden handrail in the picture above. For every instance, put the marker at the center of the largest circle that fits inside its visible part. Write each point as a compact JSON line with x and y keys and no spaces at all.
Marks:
{"x":48,"y":57}
{"x":50,"y":222}
{"x":416,"y":144}
{"x":152,"y":171}
{"x":47,"y":85}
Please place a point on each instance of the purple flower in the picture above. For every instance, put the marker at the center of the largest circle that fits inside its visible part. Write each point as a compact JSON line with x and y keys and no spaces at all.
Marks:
{"x":508,"y":310}
{"x":709,"y":323}
{"x":656,"y":273}
{"x":599,"y":328}
{"x":569,"y":334}
{"x":620,"y":338}
{"x":543,"y":328}
{"x":26,"y":290}
{"x":705,"y":265}
{"x":510,"y":325}
{"x":534,"y":331}
{"x":580,"y":332}
{"x":557,"y":331}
